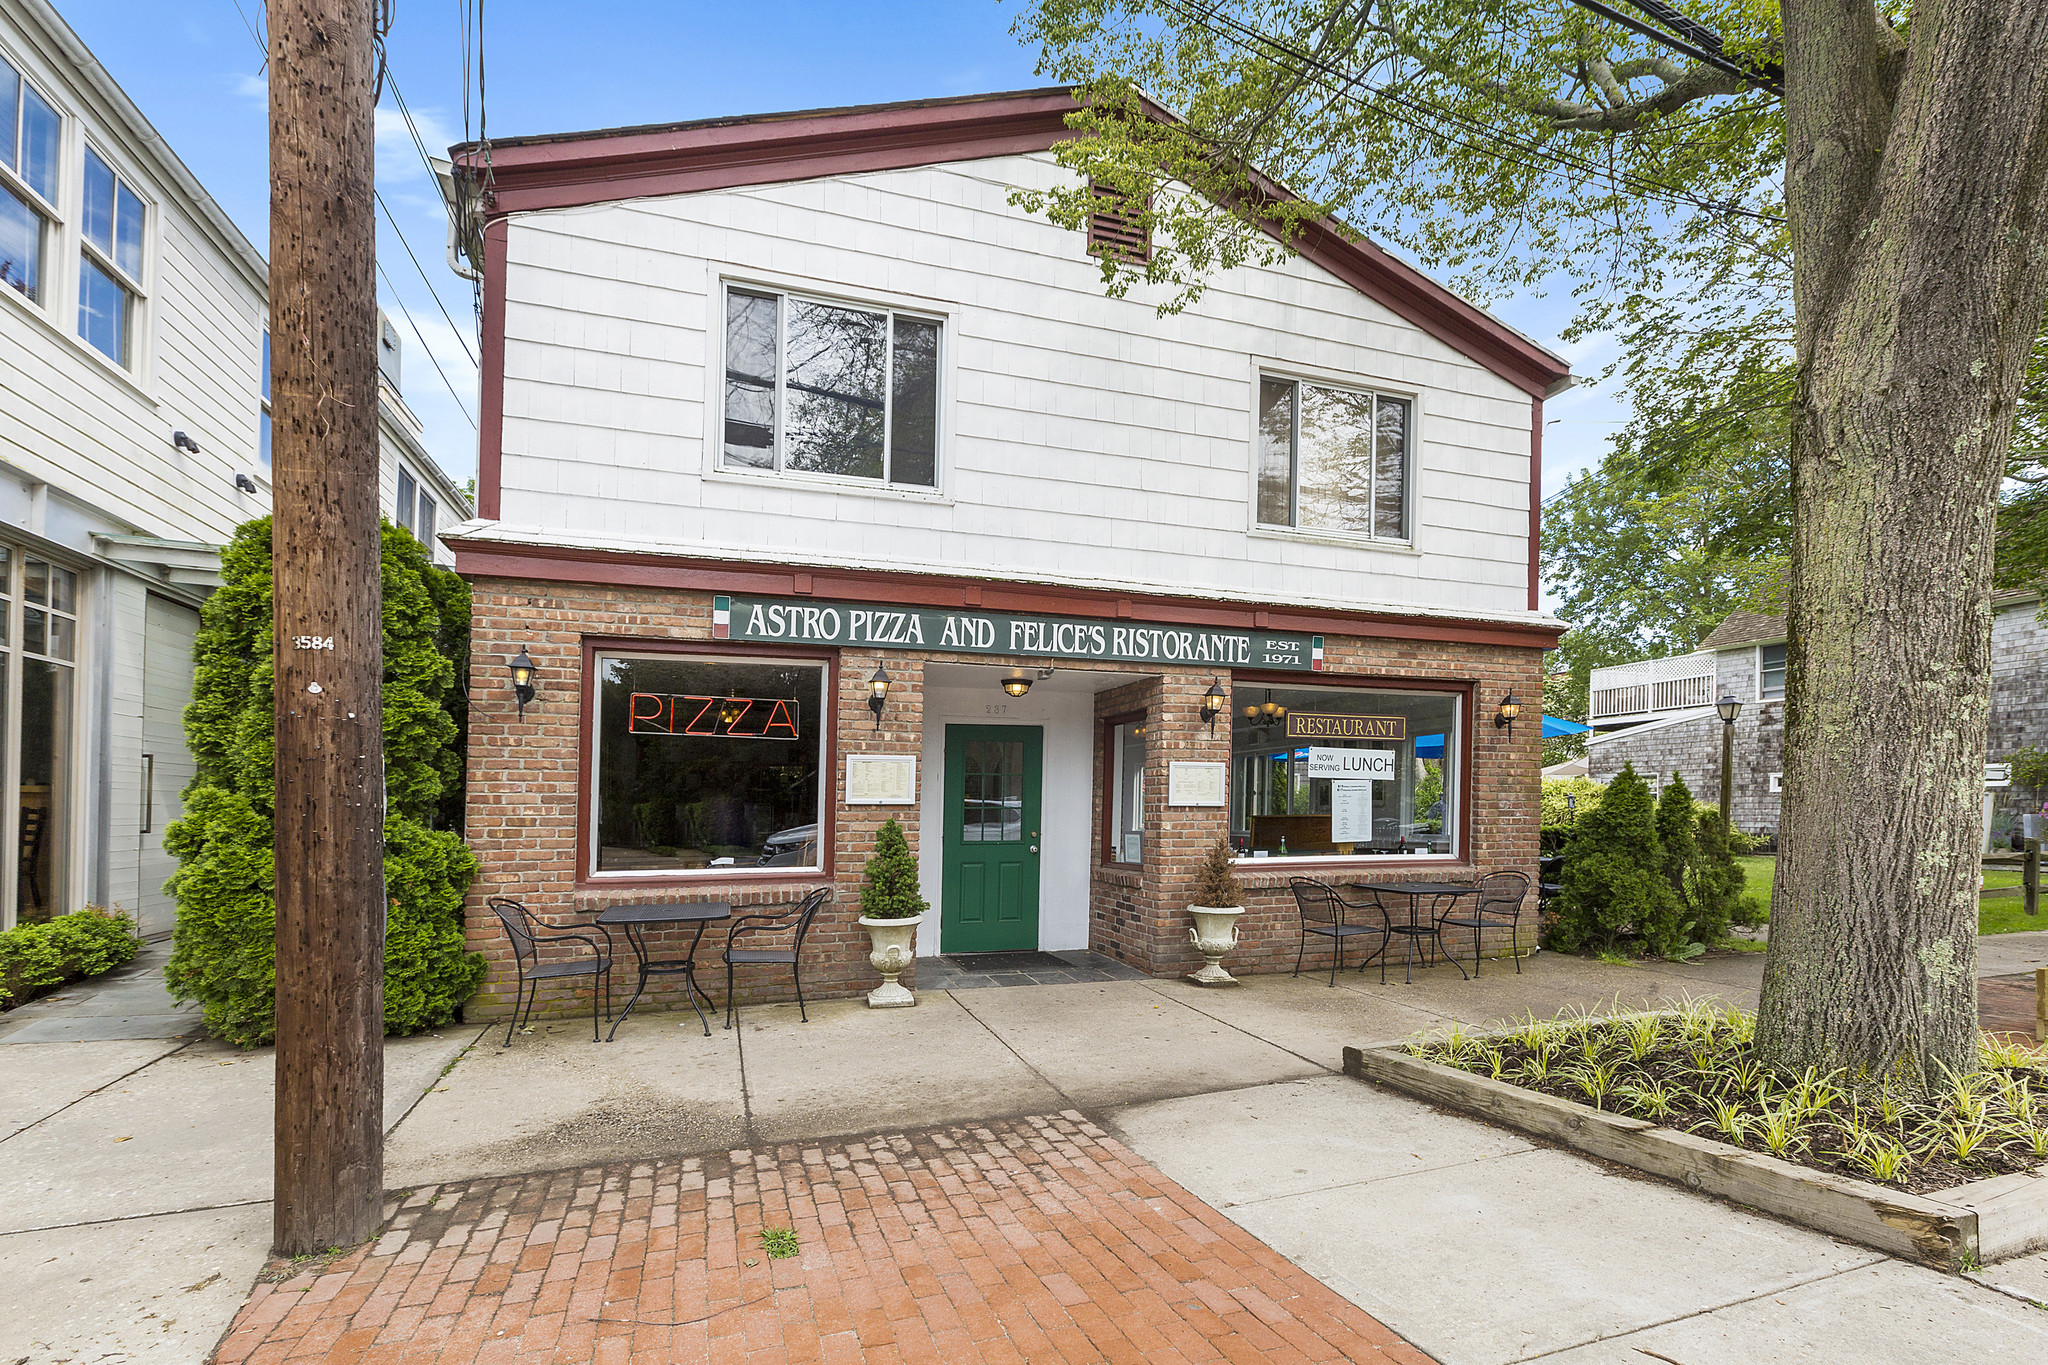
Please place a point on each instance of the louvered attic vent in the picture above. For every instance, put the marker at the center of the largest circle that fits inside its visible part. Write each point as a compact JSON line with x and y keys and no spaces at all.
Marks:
{"x":1111,"y":231}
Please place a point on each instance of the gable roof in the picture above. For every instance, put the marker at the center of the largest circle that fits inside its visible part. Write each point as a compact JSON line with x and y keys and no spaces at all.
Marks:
{"x":564,"y":170}
{"x":1745,"y":628}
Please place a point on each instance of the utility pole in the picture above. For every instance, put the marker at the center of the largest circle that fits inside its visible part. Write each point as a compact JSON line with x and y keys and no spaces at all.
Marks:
{"x":326,"y":556}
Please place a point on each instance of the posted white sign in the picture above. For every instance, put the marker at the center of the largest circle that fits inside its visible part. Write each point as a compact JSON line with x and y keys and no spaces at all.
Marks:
{"x":1351,"y":812}
{"x":1366,"y":765}
{"x":881,"y":779}
{"x":1194,"y":784}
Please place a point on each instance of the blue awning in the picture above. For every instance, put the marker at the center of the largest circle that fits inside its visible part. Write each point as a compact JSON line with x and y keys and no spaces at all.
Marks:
{"x":1553,"y":726}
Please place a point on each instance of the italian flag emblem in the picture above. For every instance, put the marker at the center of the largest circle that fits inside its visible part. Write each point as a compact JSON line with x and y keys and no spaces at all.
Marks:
{"x":721,"y":622}
{"x":1315,"y":653}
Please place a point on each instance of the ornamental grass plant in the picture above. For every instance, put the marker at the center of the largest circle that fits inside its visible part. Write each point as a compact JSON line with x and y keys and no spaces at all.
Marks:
{"x":1695,"y":1069}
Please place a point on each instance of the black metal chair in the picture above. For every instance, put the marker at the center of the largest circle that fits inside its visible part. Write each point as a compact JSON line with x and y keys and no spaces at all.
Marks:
{"x":1498,"y":905}
{"x":1328,"y":915}
{"x":528,"y":937}
{"x":797,"y":917}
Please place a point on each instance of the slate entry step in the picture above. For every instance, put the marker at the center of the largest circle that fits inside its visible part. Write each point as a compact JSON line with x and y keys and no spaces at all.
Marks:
{"x":968,"y":971}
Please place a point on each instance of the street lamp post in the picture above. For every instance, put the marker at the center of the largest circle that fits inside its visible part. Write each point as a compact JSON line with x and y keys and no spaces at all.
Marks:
{"x":1729,"y":709}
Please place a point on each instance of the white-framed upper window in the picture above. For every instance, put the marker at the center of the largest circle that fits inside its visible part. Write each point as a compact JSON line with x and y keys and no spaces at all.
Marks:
{"x":31,"y":140}
{"x":263,"y":417}
{"x":1334,"y":459}
{"x":408,"y":493}
{"x":112,"y":220}
{"x":816,"y":386}
{"x":1770,"y":663}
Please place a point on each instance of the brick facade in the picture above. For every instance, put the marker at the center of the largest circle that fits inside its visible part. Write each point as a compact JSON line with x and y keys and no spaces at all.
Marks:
{"x":525,"y":777}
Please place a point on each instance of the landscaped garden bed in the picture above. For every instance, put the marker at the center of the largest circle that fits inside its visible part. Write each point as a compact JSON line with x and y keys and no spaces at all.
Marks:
{"x":1950,"y":1175}
{"x":1695,"y":1070}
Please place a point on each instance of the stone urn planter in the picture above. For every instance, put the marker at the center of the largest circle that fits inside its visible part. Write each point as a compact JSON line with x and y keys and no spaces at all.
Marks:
{"x":892,"y":948}
{"x":1215,"y":933}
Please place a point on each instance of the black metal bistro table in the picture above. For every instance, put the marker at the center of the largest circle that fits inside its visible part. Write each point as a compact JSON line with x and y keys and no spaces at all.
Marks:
{"x":636,"y":920}
{"x":1413,"y":929}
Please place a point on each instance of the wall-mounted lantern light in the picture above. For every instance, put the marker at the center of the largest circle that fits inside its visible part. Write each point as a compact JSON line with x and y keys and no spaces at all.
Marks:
{"x":1508,"y":711}
{"x":1213,"y":703}
{"x":522,"y":678}
{"x":1018,"y":683}
{"x":878,"y":693}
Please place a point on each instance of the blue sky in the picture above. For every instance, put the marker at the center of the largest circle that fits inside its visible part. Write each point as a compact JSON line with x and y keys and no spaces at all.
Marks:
{"x":193,"y":67}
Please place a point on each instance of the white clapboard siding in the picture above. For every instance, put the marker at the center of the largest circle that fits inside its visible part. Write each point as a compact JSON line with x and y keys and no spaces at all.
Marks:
{"x":1090,"y":438}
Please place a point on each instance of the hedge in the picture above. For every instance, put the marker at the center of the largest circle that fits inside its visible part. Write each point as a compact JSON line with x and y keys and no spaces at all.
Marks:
{"x":35,"y":957}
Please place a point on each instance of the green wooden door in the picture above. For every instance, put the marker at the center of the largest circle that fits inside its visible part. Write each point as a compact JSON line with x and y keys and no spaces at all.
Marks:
{"x":989,"y":898}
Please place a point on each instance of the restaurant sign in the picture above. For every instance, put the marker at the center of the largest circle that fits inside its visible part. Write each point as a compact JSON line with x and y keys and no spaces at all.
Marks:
{"x":1320,"y":725}
{"x":781,"y":621}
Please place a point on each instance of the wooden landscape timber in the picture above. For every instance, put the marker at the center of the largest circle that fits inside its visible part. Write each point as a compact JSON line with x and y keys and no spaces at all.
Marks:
{"x":1975,"y":1223}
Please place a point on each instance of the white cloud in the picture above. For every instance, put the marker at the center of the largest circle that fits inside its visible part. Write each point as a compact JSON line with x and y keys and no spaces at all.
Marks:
{"x":249,"y":86}
{"x":397,"y":158}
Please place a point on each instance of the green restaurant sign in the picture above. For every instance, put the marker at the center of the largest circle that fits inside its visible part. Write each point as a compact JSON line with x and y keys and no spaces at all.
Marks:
{"x":778,"y":620}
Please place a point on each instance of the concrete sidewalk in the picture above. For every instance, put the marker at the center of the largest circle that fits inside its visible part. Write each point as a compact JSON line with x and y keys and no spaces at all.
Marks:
{"x":133,"y":1211}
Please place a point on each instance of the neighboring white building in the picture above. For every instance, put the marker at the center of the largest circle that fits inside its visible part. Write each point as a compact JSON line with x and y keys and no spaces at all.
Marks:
{"x":133,"y":440}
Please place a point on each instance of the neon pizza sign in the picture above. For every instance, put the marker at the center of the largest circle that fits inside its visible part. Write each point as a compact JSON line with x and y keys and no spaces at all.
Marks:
{"x":664,"y":713}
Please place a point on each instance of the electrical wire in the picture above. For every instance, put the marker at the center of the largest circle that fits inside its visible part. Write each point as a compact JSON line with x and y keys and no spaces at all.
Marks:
{"x":254,"y":36}
{"x":392,"y":219}
{"x":1353,"y":87}
{"x":406,"y":313}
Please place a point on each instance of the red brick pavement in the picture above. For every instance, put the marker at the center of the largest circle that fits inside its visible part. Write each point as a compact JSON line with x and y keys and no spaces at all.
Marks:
{"x":1027,"y":1240}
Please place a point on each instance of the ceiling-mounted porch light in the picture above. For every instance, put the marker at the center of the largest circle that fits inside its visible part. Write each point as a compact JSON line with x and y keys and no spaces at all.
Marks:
{"x":1213,"y":702}
{"x":1018,"y":683}
{"x":878,"y":693}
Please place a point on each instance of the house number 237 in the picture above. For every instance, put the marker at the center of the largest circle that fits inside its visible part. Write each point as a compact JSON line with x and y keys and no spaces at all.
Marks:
{"x":312,"y":642}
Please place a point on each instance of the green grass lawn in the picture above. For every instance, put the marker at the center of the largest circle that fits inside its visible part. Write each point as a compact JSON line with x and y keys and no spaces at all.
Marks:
{"x":1995,"y":914}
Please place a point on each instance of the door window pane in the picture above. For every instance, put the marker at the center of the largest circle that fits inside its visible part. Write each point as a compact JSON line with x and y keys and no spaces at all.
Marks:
{"x":1276,"y":453}
{"x":21,"y":245}
{"x":914,"y":415}
{"x":835,"y":359}
{"x":45,"y":792}
{"x":707,"y":763}
{"x":1390,"y":471}
{"x":752,"y":326}
{"x":39,"y":143}
{"x":994,"y":793}
{"x":102,"y":312}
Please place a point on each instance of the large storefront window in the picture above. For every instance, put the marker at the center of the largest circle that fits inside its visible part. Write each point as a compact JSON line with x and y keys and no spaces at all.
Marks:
{"x":1343,"y":771}
{"x":707,"y":764}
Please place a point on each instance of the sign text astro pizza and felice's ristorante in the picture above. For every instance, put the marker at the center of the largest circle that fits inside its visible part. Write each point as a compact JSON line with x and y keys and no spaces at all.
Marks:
{"x":782,"y":621}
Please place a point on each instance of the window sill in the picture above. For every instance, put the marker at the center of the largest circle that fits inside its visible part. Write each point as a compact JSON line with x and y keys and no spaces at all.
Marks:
{"x":827,"y":483}
{"x":1366,"y":860}
{"x":36,"y":313}
{"x":1337,"y":538}
{"x":709,"y":876}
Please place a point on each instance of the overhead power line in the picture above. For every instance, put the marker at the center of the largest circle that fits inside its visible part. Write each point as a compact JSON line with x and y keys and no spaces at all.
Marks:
{"x":406,"y":313}
{"x":392,"y":219}
{"x":1694,"y":39}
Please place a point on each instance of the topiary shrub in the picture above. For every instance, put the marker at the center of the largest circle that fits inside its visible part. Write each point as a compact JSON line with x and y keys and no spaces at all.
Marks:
{"x":1216,"y":880}
{"x":1613,"y":881}
{"x":891,"y":888}
{"x":1714,"y":881}
{"x":224,"y":946}
{"x":1669,"y":933}
{"x":36,"y":957}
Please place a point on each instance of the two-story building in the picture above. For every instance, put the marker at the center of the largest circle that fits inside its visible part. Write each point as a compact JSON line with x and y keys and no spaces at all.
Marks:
{"x":134,"y":430}
{"x":1660,"y":714}
{"x":823,"y":485}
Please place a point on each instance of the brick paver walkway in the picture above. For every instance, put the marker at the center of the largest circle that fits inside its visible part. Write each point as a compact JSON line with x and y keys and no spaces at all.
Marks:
{"x":1028,"y":1240}
{"x":2005,"y":1005}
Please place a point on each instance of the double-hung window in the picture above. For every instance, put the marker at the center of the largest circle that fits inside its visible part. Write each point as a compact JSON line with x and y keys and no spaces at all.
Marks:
{"x":110,"y":268}
{"x":1771,"y":672}
{"x":1333,"y":459}
{"x":29,"y":142}
{"x":830,"y":388}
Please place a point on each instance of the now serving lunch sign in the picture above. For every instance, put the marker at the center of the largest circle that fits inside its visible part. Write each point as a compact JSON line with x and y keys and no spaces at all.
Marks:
{"x":783,"y":621}
{"x":1355,"y":765}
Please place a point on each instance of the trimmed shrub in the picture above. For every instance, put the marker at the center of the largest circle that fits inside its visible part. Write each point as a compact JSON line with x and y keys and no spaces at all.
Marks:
{"x":36,"y":957}
{"x":1585,"y":796}
{"x":1670,"y":933}
{"x":1614,"y":883}
{"x":891,"y":888}
{"x":1714,"y":881}
{"x":223,"y":949}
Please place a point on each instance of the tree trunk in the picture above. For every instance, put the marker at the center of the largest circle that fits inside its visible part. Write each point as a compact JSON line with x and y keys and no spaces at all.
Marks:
{"x":328,"y":642}
{"x":1917,"y":183}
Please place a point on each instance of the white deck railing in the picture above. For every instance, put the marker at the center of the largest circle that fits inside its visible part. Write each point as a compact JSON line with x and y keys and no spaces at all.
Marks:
{"x":1652,"y":686}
